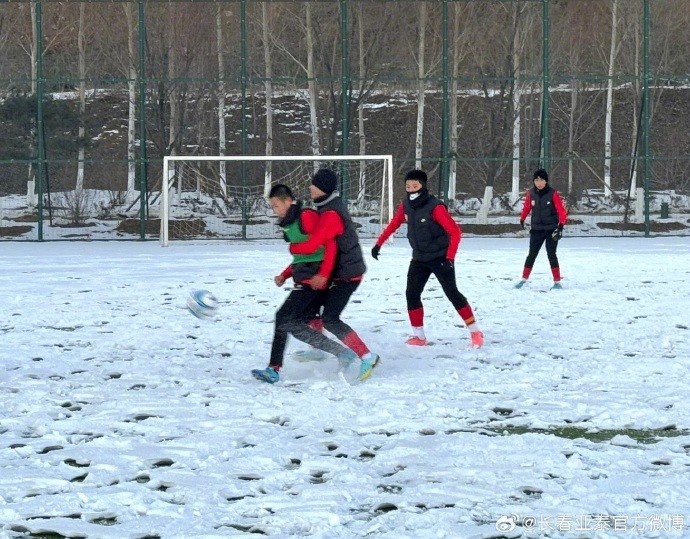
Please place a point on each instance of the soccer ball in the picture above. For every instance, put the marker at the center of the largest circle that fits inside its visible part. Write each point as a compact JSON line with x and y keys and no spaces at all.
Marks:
{"x":202,"y":304}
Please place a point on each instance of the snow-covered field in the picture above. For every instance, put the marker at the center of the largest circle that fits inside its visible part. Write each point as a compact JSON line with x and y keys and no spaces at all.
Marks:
{"x":122,"y":416}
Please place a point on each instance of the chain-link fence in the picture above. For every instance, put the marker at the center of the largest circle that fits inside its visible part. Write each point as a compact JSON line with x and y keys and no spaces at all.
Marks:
{"x":478,"y":92}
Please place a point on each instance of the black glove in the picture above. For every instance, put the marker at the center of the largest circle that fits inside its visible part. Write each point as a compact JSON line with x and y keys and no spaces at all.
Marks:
{"x":522,"y":224}
{"x":448,"y":264}
{"x":558,"y":233}
{"x":375,"y":250}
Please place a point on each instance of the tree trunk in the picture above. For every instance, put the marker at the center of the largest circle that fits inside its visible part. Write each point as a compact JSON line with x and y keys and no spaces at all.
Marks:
{"x":268,"y":89}
{"x":132,"y":93}
{"x":31,"y":198}
{"x":361,"y":190}
{"x":174,"y":120}
{"x":517,"y":49}
{"x":222,"y":144}
{"x":483,"y":212}
{"x":313,"y":96}
{"x":574,"y":94}
{"x":419,"y":139}
{"x":453,"y":172}
{"x":636,"y":92}
{"x":609,"y":100}
{"x":33,"y":51}
{"x":82,"y":98}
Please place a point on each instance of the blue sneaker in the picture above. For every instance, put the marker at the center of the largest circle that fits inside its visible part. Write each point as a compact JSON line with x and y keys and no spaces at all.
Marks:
{"x":346,"y":358}
{"x":310,"y":354}
{"x":521,"y":283}
{"x":557,"y":286}
{"x":369,"y":362}
{"x":267,"y":375}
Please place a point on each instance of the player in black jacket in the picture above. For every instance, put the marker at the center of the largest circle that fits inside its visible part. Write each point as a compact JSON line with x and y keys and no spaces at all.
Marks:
{"x":336,"y":224}
{"x":548,"y":219}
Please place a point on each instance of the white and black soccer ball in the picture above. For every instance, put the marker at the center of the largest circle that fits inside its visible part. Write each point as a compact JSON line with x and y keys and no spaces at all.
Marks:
{"x":202,"y":304}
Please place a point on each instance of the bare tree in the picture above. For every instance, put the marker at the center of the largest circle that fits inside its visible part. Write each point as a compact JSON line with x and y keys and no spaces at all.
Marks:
{"x":671,"y":54}
{"x":522,"y":23}
{"x":609,"y":99}
{"x":81,"y":45}
{"x":131,"y":71}
{"x":177,"y":55}
{"x":175,"y":105}
{"x":362,"y":64}
{"x":370,"y":45}
{"x":31,"y":198}
{"x":421,"y":85}
{"x":460,"y":50}
{"x":13,"y":28}
{"x":268,"y":90}
{"x":312,"y":96}
{"x":57,"y":35}
{"x":222,"y":91}
{"x":360,"y":111}
{"x":573,"y":30}
{"x":304,"y":20}
{"x":497,"y":85}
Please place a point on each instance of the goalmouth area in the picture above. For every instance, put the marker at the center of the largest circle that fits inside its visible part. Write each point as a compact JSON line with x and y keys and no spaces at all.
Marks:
{"x":203,"y":196}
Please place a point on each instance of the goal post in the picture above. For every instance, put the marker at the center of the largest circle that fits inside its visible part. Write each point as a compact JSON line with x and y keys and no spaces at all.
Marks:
{"x":224,"y":197}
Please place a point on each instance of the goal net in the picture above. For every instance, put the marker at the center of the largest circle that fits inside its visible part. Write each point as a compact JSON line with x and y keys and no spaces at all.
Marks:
{"x":225,"y":197}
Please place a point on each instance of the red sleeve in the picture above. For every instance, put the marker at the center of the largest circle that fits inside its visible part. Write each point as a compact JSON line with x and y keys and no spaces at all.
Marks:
{"x":442,"y":217}
{"x":287,"y":272}
{"x":398,"y":219}
{"x":329,"y":226}
{"x":308,"y":221}
{"x":330,"y":254}
{"x":526,"y":207}
{"x":560,"y":208}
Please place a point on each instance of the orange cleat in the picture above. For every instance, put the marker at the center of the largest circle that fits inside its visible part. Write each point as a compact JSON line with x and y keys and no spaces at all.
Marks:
{"x":477,"y":338}
{"x":416,"y":341}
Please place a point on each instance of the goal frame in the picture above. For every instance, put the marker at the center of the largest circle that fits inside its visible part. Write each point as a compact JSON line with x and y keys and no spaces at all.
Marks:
{"x":167,"y":181}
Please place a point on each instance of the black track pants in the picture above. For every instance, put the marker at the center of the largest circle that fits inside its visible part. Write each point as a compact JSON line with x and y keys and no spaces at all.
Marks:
{"x":336,"y":299}
{"x":293,"y":318}
{"x":536,"y":239}
{"x":418,"y":274}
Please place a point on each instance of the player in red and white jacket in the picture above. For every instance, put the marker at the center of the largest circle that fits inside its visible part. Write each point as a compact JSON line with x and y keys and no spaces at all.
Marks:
{"x":547,"y":222}
{"x":434,"y":237}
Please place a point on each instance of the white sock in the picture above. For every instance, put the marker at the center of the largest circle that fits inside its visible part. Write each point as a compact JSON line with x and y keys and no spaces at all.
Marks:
{"x":473,"y":327}
{"x":419,"y":332}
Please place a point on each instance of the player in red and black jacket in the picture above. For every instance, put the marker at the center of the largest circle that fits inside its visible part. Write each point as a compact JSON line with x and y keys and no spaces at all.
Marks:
{"x":547,"y":222}
{"x":336,"y":224}
{"x":435,"y":237}
{"x":303,"y":302}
